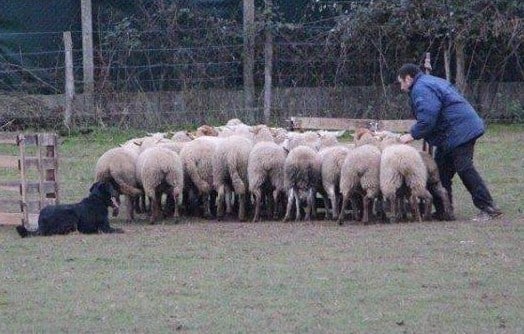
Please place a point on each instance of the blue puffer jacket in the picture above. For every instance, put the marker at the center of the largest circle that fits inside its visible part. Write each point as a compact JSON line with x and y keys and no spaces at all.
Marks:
{"x":444,"y":117}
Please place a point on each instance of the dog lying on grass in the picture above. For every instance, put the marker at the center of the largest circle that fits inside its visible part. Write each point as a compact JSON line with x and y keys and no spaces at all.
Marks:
{"x":88,"y":216}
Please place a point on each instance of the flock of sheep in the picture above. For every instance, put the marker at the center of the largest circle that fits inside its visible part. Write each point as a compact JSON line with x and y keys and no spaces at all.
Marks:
{"x":263,"y":172}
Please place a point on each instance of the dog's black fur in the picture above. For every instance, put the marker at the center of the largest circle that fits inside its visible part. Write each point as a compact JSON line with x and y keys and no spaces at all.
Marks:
{"x":88,"y":216}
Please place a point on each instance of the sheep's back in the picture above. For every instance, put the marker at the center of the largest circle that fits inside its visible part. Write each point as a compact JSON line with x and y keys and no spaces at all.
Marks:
{"x":302,"y":168}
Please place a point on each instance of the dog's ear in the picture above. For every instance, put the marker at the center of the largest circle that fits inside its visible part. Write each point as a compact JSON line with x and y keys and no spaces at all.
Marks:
{"x":97,"y":187}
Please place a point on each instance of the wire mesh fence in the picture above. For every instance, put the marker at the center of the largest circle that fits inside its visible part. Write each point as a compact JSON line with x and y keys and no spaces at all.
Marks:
{"x":174,"y":66}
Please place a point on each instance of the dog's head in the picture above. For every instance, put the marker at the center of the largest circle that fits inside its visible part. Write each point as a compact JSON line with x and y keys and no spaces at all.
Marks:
{"x":106,"y":192}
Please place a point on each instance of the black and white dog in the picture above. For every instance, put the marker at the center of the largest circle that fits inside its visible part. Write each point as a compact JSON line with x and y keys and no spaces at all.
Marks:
{"x":88,"y":216}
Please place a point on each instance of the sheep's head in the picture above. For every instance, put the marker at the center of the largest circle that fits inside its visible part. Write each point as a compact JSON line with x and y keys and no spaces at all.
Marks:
{"x":360,"y":132}
{"x":206,"y":130}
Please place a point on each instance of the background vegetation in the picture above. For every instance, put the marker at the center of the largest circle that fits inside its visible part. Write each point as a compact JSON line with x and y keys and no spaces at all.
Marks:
{"x":193,"y":52}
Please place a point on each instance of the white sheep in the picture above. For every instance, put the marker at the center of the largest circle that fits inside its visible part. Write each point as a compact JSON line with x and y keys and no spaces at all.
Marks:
{"x":301,"y":176}
{"x":117,"y":165}
{"x":160,"y":172}
{"x":261,"y":133}
{"x":138,"y":145}
{"x":402,"y":165}
{"x":182,"y":136}
{"x":332,"y":158}
{"x":265,"y":172}
{"x":308,"y":138}
{"x":197,"y":160}
{"x":359,"y":177}
{"x":279,"y":134}
{"x":230,"y":163}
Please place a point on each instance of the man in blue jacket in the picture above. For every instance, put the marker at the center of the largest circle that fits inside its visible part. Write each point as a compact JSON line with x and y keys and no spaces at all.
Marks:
{"x":445,"y":119}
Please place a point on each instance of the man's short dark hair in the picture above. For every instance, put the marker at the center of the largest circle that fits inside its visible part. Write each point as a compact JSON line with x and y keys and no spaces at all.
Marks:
{"x":408,"y":69}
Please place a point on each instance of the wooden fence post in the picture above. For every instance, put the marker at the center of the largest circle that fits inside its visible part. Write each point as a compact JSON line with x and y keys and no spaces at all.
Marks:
{"x":87,"y":52}
{"x":268,"y":60}
{"x":69,"y":79}
{"x":249,"y":54}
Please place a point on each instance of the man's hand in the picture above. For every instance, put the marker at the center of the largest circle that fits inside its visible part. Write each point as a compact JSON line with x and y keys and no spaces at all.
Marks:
{"x":406,"y":139}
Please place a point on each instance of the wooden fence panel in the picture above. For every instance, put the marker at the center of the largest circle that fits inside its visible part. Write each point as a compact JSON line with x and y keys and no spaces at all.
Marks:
{"x":31,"y":191}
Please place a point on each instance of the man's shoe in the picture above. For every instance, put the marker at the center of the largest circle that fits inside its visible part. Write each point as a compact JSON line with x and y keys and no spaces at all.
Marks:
{"x":493,"y":212}
{"x":488,"y":213}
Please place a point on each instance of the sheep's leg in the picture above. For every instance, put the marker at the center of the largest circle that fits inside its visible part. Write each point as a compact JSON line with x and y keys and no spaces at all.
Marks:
{"x":242,"y":207}
{"x":310,"y":204}
{"x":392,"y":202}
{"x":229,"y":198}
{"x":290,"y":198}
{"x":257,"y":193}
{"x":155,"y":206}
{"x":356,"y":206}
{"x":220,"y":202}
{"x":206,"y":201}
{"x":176,"y":200}
{"x":297,"y":205}
{"x":275,"y":204}
{"x":270,"y":204}
{"x":334,"y":202}
{"x":413,"y":201}
{"x":379,"y":207}
{"x":342,"y":215}
{"x":367,"y":203}
{"x":143,"y":204}
{"x":428,"y":203}
{"x":130,"y":210}
{"x":169,"y":209}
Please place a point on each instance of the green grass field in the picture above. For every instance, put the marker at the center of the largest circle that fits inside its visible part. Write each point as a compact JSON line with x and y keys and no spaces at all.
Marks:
{"x":315,"y":277}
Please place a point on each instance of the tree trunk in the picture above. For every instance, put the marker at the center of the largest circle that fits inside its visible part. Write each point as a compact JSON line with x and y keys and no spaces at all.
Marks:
{"x":460,"y":78}
{"x":87,"y":50}
{"x":268,"y":59}
{"x":249,"y":55}
{"x":447,"y":61}
{"x":69,"y":79}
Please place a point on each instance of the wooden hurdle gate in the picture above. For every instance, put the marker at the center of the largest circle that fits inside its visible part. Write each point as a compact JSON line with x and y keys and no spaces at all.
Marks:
{"x":28,"y":176}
